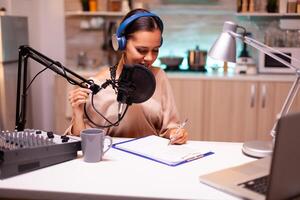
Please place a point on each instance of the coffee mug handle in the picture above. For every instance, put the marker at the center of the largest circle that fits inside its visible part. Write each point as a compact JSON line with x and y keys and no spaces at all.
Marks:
{"x":110,"y":143}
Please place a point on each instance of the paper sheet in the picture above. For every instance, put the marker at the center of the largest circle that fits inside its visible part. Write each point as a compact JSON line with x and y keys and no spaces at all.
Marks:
{"x":157,"y":148}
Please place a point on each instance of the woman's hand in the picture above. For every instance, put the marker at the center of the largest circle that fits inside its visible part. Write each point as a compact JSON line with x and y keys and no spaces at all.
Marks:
{"x":178,"y":136}
{"x":77,"y":98}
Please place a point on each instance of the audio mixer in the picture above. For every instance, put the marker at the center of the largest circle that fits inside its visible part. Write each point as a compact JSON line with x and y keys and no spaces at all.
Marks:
{"x":31,"y":149}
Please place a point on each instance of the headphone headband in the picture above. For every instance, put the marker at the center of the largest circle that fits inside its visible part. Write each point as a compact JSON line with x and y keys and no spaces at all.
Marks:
{"x":119,"y":40}
{"x":132,"y":18}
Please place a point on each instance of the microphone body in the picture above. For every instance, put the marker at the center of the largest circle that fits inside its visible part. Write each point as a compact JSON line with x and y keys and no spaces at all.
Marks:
{"x":136,"y":84}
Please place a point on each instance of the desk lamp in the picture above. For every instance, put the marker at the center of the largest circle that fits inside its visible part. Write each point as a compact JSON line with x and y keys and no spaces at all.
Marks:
{"x":224,"y":49}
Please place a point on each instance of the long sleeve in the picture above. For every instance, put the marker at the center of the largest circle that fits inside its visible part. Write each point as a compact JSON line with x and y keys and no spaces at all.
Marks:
{"x":170,"y":116}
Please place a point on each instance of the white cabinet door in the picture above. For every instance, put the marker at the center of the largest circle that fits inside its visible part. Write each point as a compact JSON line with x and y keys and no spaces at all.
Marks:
{"x":189,"y":96}
{"x":230,"y":110}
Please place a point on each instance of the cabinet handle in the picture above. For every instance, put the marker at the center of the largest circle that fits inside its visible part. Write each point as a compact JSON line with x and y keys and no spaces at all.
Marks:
{"x":252,"y":100}
{"x":264,"y":95}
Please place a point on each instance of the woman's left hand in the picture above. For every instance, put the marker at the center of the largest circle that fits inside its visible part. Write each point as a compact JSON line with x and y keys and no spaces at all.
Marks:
{"x":178,"y":136}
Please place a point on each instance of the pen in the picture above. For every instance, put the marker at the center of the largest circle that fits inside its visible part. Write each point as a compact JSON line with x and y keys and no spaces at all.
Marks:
{"x":178,"y":129}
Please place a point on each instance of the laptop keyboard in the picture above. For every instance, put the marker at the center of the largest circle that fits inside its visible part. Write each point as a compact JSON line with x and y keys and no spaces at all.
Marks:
{"x":258,"y":185}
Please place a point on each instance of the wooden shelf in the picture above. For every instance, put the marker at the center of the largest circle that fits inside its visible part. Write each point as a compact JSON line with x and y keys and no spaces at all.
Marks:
{"x":265,"y":15}
{"x":94,"y":14}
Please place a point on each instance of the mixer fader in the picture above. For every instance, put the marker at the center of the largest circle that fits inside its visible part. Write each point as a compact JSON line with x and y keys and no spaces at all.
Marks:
{"x":31,"y":149}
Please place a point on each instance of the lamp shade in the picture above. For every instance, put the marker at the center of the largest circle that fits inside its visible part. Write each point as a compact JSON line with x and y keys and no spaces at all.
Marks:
{"x":224,"y":48}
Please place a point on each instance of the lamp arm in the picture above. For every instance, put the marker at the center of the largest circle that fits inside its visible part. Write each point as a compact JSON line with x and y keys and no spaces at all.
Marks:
{"x":287,"y":104}
{"x":265,"y":49}
{"x":271,"y":49}
{"x":295,"y":87}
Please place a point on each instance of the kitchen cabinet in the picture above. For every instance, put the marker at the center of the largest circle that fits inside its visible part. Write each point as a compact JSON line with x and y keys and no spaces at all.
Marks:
{"x":230,"y":109}
{"x":188,"y":94}
{"x":270,"y":101}
{"x":243,"y":110}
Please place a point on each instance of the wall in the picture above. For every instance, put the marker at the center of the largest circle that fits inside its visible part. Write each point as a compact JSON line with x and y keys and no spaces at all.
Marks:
{"x":46,"y":34}
{"x":186,"y":23}
{"x":191,"y":24}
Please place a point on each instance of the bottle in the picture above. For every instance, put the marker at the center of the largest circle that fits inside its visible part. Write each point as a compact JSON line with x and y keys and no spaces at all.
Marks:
{"x":125,"y":6}
{"x":251,"y":6}
{"x":298,"y":6}
{"x":239,"y":6}
{"x":2,"y":11}
{"x":115,"y":5}
{"x":93,"y":5}
{"x":244,"y":6}
{"x":292,"y":6}
{"x":282,"y":6}
{"x":225,"y":67}
{"x":272,"y":6}
{"x":85,"y":5}
{"x":262,"y":6}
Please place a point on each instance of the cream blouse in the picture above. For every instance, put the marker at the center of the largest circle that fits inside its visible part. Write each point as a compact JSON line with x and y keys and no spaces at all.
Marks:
{"x":153,"y":116}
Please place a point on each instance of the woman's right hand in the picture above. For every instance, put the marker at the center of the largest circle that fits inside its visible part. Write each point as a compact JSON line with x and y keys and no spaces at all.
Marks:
{"x":77,"y":98}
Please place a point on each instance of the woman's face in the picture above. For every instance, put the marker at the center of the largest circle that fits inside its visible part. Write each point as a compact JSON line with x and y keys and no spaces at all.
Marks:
{"x":143,"y":47}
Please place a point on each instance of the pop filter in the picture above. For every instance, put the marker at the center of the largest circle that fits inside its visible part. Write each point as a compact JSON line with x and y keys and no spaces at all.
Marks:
{"x":136,"y":84}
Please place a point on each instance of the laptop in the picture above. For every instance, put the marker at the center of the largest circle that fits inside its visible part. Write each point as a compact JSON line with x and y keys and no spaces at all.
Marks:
{"x":276,"y":177}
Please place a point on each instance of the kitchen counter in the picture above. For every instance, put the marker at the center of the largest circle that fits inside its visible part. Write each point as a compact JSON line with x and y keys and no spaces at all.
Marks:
{"x":231,"y":76}
{"x":208,"y":75}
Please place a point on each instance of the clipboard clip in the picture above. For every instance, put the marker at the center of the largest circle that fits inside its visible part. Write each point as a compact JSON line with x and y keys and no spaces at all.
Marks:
{"x":193,"y":156}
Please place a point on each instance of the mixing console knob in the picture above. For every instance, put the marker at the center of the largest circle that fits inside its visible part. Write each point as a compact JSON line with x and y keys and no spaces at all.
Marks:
{"x":50,"y":134}
{"x":64,"y":138}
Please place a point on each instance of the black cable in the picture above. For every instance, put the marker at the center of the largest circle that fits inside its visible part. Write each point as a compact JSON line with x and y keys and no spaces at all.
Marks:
{"x":28,"y":86}
{"x":95,"y":109}
{"x":65,"y":74}
{"x":35,"y":78}
{"x":114,"y":83}
{"x":105,"y":126}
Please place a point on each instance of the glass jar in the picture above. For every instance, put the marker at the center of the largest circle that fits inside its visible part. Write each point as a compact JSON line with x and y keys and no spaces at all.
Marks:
{"x":290,"y":38}
{"x":115,"y":5}
{"x":298,"y":39}
{"x":292,"y":6}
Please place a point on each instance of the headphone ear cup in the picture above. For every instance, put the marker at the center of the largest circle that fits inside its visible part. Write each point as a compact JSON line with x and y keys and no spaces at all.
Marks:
{"x":115,"y":42}
{"x":122,"y":43}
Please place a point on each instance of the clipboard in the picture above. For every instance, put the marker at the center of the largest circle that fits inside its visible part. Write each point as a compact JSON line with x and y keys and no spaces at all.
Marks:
{"x":156,"y":148}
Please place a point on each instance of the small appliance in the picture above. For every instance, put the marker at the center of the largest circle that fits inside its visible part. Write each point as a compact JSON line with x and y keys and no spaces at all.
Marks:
{"x":269,"y":65}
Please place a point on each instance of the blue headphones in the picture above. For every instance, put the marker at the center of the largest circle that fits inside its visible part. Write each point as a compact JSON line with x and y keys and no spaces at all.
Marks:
{"x":119,"y":40}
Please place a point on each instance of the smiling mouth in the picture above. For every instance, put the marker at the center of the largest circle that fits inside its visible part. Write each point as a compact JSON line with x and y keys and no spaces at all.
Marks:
{"x":144,"y":64}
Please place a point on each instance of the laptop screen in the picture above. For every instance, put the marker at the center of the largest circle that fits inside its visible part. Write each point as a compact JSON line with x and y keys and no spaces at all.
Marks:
{"x":284,"y":181}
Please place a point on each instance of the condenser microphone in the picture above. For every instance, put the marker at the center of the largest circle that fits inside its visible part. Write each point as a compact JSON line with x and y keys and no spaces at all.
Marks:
{"x":135,"y":85}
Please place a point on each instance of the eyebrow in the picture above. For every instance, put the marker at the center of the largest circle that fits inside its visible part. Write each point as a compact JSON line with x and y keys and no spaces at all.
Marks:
{"x":143,"y":47}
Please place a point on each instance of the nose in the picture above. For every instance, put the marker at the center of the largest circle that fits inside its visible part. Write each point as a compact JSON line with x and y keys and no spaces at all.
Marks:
{"x":150,"y":56}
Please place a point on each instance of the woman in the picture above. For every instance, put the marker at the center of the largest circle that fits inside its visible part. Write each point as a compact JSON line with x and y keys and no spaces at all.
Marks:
{"x":139,"y":37}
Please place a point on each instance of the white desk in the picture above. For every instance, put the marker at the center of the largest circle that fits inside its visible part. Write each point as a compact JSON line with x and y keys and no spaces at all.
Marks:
{"x":124,"y":176}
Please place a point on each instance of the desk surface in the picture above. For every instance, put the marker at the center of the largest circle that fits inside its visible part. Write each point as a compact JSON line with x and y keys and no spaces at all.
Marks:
{"x":125,"y":175}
